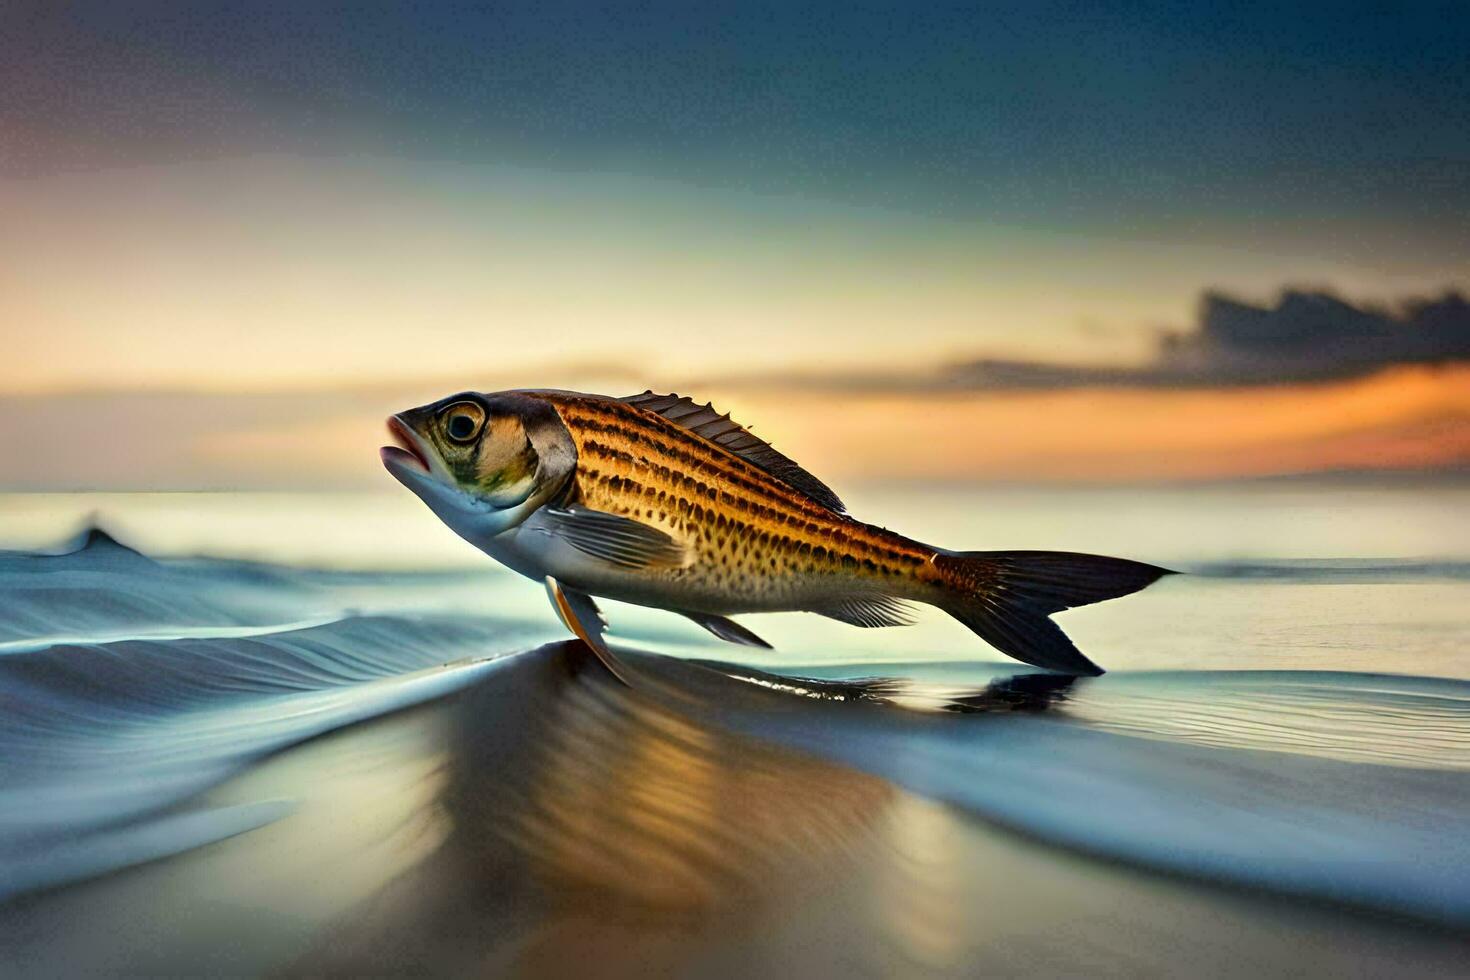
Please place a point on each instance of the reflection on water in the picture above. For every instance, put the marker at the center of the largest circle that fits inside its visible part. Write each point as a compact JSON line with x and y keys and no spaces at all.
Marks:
{"x":610,"y":796}
{"x":626,"y":832}
{"x":606,"y":817}
{"x":1018,"y":692}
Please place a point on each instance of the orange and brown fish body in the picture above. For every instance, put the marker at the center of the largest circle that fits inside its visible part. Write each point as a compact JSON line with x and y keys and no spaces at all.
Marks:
{"x":754,"y":543}
{"x":655,"y":500}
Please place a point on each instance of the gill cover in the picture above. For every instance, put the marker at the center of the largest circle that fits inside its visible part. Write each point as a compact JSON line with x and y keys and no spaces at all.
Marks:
{"x":491,"y":460}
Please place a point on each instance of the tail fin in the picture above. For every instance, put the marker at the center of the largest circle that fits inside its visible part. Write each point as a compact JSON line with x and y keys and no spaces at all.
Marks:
{"x":1006,"y":596}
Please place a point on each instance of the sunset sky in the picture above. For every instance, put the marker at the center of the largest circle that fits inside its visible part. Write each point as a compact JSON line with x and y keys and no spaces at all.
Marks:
{"x":903,"y":243}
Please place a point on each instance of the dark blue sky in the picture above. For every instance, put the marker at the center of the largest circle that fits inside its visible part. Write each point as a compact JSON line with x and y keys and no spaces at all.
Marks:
{"x":1180,"y":116}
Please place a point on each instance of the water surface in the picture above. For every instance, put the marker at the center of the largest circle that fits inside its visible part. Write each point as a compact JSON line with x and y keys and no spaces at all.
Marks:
{"x":308,"y":735}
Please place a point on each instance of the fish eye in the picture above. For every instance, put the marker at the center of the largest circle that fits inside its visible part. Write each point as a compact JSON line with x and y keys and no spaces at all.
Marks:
{"x":462,"y":422}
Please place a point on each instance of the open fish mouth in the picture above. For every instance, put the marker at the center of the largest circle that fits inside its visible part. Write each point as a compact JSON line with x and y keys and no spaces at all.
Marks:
{"x":408,"y":453}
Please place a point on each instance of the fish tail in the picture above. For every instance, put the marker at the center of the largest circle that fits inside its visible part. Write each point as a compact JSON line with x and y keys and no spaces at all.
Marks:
{"x":1007,"y":597}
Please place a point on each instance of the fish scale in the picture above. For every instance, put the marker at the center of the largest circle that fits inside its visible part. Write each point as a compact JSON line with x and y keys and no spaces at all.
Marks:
{"x":749,"y":533}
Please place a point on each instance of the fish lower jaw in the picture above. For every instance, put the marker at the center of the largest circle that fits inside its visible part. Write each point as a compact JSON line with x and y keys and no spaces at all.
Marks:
{"x":397,"y":458}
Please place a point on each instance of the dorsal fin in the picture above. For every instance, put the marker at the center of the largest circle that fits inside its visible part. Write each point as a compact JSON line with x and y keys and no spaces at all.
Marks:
{"x":719,"y":429}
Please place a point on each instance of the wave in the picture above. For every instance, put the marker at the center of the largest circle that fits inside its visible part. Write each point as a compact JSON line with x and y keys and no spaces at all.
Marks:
{"x":130,"y":686}
{"x":174,"y":689}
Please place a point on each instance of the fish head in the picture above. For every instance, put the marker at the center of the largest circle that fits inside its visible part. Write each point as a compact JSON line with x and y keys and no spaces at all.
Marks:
{"x":482,"y":462}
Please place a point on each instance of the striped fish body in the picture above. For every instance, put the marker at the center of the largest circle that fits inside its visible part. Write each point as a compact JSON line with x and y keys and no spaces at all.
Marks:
{"x":655,"y":500}
{"x":754,"y":544}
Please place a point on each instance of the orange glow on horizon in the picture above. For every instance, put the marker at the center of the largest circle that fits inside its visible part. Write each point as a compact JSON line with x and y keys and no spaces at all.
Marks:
{"x":1409,"y":418}
{"x":1403,"y":418}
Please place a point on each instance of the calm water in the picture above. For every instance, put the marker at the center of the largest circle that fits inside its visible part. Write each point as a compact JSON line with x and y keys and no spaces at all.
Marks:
{"x":317,"y":734}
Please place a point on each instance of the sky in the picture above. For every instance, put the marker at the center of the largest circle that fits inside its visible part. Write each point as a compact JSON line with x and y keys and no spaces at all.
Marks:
{"x":1180,"y":241}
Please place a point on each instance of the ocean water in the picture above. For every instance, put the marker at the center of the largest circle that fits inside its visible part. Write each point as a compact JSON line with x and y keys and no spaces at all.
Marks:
{"x":318,"y":735}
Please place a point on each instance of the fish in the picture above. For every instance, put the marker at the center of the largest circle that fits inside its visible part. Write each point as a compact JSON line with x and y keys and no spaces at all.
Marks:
{"x":656,"y":500}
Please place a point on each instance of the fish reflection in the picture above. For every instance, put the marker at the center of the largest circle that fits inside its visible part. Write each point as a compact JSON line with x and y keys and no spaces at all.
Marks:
{"x":613,"y":795}
{"x":1020,"y":692}
{"x":592,"y":822}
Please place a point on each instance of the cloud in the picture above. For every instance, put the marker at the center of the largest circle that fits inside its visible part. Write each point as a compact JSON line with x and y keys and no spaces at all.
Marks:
{"x":1305,"y":337}
{"x":1309,"y":336}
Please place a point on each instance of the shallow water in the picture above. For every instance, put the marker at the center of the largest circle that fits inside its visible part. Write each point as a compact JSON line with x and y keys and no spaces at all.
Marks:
{"x":209,"y":764}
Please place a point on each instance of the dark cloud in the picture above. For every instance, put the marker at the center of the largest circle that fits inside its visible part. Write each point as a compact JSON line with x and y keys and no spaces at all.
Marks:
{"x":1305,"y":336}
{"x":1309,"y":335}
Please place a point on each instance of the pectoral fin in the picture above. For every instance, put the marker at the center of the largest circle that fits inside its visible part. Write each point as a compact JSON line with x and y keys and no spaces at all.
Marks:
{"x":728,"y":630}
{"x":619,"y":540}
{"x":580,"y":615}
